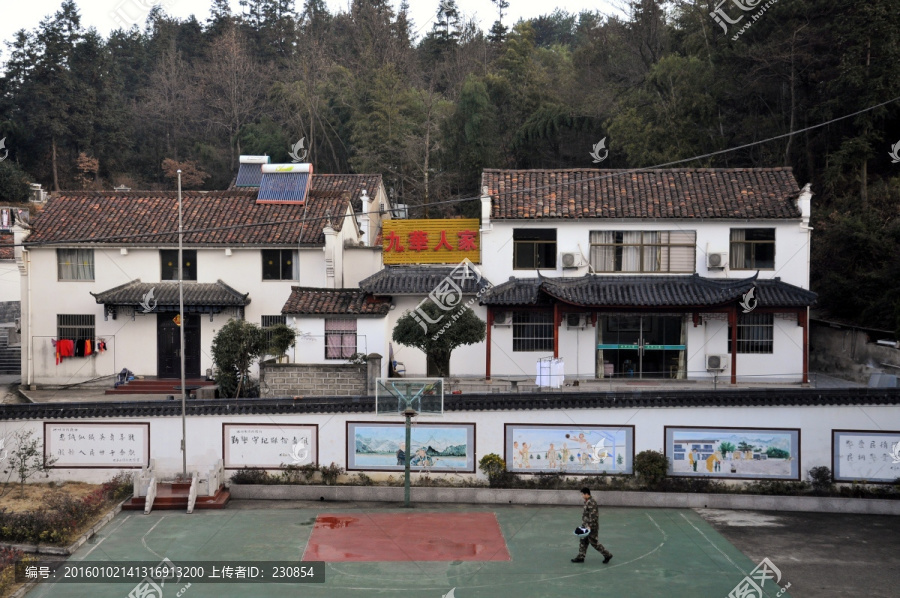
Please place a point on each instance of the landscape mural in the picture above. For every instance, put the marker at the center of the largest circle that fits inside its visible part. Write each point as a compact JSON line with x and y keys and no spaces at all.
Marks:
{"x":567,"y":448}
{"x":733,"y":452}
{"x":434,"y":447}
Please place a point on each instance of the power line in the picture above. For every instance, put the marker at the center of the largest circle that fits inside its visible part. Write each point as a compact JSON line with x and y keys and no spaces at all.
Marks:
{"x":622,"y":172}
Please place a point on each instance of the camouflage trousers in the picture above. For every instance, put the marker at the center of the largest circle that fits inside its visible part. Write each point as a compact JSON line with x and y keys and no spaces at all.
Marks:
{"x":594,"y":541}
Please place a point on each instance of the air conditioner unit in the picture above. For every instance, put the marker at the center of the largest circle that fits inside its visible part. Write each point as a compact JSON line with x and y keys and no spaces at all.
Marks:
{"x":571,"y":259}
{"x":503,"y":318}
{"x":578,"y":321}
{"x":400,"y":211}
{"x":717,"y":260}
{"x":716,"y":363}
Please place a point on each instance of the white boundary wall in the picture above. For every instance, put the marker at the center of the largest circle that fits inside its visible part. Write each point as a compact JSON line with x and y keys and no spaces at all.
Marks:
{"x":205,"y":442}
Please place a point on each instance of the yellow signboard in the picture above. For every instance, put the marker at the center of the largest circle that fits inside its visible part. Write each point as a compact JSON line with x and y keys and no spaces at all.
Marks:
{"x":431,"y":241}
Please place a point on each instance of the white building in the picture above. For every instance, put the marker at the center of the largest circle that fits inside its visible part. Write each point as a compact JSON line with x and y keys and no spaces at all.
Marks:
{"x":102,"y":267}
{"x":647,"y":274}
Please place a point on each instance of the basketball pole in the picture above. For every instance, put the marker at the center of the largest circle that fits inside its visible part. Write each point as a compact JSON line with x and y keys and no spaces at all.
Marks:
{"x":409,"y":413}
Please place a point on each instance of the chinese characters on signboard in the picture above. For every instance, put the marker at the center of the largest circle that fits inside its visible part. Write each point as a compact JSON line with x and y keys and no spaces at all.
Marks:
{"x":431,"y":241}
{"x":269,"y":446}
{"x":869,"y":456}
{"x":113,"y":445}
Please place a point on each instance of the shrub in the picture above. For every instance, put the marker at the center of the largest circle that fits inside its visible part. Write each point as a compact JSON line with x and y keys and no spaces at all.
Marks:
{"x":821,"y":480}
{"x":250,"y":475}
{"x":494,"y":467}
{"x":330,"y":473}
{"x":291,"y":474}
{"x":364,"y":480}
{"x":8,"y":559}
{"x":651,"y":467}
{"x":119,"y":487}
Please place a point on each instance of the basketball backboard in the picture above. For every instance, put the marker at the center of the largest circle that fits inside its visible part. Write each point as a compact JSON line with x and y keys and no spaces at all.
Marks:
{"x":425,"y":396}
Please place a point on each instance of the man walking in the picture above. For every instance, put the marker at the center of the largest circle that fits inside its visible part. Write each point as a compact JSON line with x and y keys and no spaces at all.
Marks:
{"x":590,"y":520}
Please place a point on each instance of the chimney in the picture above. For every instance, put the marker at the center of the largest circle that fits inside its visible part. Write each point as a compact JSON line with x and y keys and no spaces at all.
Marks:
{"x":364,"y":219}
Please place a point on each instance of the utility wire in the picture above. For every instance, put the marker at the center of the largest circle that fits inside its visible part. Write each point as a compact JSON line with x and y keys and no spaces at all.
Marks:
{"x":622,"y":172}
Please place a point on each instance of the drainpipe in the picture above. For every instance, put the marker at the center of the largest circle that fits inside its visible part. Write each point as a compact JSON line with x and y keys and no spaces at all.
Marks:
{"x":29,"y":377}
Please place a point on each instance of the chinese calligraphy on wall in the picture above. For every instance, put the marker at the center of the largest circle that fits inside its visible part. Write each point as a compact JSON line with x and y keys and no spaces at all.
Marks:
{"x":869,"y":456}
{"x":113,"y":445}
{"x":269,"y":446}
{"x":431,"y":241}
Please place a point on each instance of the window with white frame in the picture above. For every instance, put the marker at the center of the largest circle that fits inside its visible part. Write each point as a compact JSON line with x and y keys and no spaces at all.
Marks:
{"x":532,"y":331}
{"x":75,"y":264}
{"x":168,"y":260}
{"x":755,"y":333}
{"x":643,"y":251}
{"x":340,"y":338}
{"x":534,"y":248}
{"x":752,"y":249}
{"x":280,"y":264}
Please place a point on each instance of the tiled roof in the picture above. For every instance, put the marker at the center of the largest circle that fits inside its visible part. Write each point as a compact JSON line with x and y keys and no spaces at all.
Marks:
{"x":417,"y":280}
{"x":165,"y":295}
{"x":106,"y":217}
{"x":673,"y":193}
{"x":351,"y":302}
{"x":7,"y":249}
{"x":644,"y":399}
{"x":647,"y":291}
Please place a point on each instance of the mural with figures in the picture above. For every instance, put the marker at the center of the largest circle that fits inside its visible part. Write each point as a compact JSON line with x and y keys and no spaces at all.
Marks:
{"x":434,"y":447}
{"x":580,"y":450}
{"x":734,"y":452}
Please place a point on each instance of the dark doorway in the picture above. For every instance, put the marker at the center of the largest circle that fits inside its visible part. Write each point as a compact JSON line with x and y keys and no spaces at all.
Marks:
{"x":168,"y":343}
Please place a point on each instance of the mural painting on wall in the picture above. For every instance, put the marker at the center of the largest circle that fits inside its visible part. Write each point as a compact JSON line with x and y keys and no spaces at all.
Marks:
{"x":269,"y":446}
{"x":873,"y":456}
{"x":97,"y":445}
{"x":434,"y":447}
{"x":535,"y":448}
{"x":734,"y":452}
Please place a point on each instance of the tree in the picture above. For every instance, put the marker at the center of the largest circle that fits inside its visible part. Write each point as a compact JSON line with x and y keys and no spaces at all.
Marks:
{"x":24,"y":462}
{"x":726,"y":447}
{"x":13,"y":182}
{"x":234,"y":349}
{"x":498,"y":29}
{"x":449,"y":331}
{"x":192,"y":176}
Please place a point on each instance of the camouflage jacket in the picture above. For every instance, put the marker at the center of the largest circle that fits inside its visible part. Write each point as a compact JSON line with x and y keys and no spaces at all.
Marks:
{"x":590,"y":515}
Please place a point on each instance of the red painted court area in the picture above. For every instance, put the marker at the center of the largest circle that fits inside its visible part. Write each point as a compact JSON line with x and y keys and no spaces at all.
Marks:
{"x":406,"y":537}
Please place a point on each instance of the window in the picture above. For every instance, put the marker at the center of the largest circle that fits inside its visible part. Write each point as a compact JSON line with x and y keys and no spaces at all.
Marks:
{"x":75,"y":264}
{"x":755,"y":333}
{"x":169,"y":260}
{"x":340,"y":338}
{"x":534,"y":248}
{"x":280,"y":264}
{"x":643,"y":251}
{"x":75,"y":327}
{"x":269,"y":321}
{"x":752,"y":249}
{"x":532,"y":331}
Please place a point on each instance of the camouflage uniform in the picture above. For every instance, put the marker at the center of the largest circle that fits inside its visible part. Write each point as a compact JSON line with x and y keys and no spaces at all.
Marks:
{"x":589,"y":519}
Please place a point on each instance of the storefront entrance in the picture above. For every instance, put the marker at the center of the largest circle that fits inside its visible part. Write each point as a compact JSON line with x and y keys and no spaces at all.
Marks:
{"x":636,"y":346}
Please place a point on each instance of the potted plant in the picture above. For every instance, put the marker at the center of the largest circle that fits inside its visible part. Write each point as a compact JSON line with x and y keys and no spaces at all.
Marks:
{"x":281,"y":338}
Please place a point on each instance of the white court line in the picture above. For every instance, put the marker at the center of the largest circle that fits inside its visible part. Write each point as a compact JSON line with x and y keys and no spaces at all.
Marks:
{"x":105,"y":537}
{"x":507,"y":584}
{"x":736,"y":566}
{"x":144,"y":537}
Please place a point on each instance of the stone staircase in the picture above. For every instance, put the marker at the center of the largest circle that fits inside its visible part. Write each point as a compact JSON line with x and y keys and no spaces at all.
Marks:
{"x":10,"y":356}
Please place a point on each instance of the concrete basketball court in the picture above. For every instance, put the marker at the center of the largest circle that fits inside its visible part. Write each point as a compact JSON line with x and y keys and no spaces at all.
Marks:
{"x":494,"y":552}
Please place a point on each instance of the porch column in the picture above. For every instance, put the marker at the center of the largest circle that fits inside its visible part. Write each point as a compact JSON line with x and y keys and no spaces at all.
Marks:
{"x":803,"y":320}
{"x":556,"y":324}
{"x":487,"y":360}
{"x":732,"y":322}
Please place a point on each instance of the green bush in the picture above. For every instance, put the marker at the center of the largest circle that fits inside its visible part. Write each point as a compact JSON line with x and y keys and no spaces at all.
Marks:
{"x":250,"y":475}
{"x":821,"y":480}
{"x":330,"y":473}
{"x":494,"y":467}
{"x":651,"y":467}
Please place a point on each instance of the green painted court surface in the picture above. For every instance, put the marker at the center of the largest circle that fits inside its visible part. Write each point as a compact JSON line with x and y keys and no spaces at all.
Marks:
{"x":657,"y":552}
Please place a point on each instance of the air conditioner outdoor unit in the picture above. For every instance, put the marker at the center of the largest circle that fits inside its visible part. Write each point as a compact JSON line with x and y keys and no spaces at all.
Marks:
{"x":716,"y":363}
{"x":503,"y":318}
{"x":572,"y":259}
{"x":576,"y":321}
{"x":717,"y":260}
{"x":400,"y":211}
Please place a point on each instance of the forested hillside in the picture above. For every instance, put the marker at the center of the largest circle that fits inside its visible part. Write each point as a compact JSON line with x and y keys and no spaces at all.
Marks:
{"x":428,"y":105}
